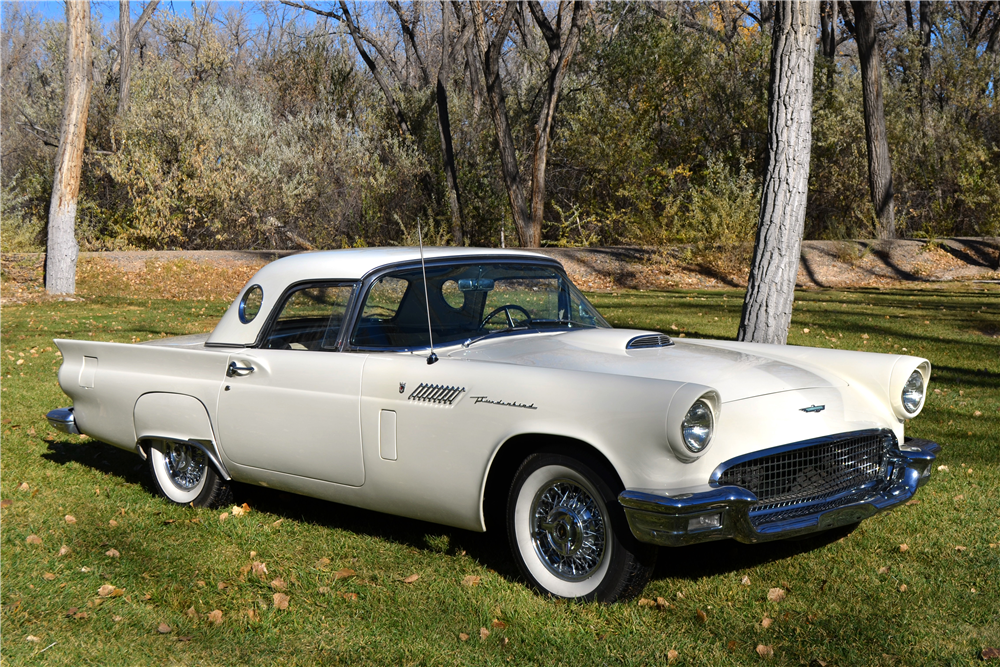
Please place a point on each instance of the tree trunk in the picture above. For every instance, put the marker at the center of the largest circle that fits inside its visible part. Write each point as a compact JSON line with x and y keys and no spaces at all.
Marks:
{"x":491,"y":52}
{"x":124,"y":55}
{"x":560,"y":55}
{"x":767,"y":307}
{"x":925,"y":56}
{"x":448,"y":54}
{"x":62,"y":249}
{"x":879,"y":162}
{"x":828,"y":40}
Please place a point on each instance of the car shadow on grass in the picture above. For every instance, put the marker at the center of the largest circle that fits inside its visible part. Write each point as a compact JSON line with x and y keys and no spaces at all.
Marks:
{"x":487,"y":548}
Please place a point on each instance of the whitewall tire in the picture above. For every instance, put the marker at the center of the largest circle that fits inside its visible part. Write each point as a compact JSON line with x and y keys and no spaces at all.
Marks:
{"x":568,"y":533}
{"x":183,"y":475}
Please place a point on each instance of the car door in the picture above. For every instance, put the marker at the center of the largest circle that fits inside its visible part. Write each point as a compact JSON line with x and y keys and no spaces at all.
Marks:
{"x":292,"y":405}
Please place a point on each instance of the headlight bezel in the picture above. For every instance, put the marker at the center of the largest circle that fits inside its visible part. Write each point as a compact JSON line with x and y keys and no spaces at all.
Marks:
{"x":914,"y":386}
{"x":902,"y":372}
{"x":686,"y":396}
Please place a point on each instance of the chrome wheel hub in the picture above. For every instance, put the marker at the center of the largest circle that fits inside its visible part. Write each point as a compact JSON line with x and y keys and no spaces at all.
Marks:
{"x":185,"y":465}
{"x":568,"y":530}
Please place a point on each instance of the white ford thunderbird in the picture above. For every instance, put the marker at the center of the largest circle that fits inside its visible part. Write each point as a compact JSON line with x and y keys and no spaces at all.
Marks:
{"x":480,"y":389}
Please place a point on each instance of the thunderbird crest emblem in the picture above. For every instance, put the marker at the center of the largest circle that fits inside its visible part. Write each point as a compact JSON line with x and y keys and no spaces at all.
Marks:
{"x":402,"y":387}
{"x":814,"y":408}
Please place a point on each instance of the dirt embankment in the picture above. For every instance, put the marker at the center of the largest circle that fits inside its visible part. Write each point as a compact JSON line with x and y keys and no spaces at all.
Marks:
{"x":207,"y":274}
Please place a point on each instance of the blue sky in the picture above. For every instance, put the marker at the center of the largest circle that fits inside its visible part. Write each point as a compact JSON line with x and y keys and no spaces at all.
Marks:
{"x":108,"y":9}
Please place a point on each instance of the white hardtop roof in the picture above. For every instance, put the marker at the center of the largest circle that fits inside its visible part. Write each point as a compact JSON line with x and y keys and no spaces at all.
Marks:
{"x":349,"y":264}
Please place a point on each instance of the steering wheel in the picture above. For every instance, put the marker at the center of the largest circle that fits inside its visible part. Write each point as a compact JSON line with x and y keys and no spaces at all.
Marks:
{"x":506,"y":311}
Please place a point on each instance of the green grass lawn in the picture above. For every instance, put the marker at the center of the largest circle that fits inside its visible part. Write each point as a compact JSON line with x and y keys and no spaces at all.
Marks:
{"x":860,"y":600}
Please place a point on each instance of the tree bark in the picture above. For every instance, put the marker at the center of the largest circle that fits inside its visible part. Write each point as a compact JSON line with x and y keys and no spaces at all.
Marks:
{"x":879,"y":161}
{"x":124,"y":55}
{"x":925,"y":56}
{"x":62,"y":249}
{"x":444,"y":121}
{"x":767,"y":307}
{"x":828,"y":40}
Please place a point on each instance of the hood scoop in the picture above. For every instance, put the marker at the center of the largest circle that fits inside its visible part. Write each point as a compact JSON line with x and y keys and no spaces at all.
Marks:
{"x":649,"y":341}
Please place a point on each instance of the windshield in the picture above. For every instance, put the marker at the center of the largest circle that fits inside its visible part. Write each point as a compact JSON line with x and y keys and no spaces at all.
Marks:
{"x":468,"y":301}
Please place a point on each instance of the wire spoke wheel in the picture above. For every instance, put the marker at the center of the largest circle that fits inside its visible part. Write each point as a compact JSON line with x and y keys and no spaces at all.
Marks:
{"x":568,"y":530}
{"x":185,"y":464}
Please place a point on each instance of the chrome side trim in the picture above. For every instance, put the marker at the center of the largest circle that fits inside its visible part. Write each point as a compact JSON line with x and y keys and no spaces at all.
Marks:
{"x":62,"y":419}
{"x":216,"y":463}
{"x":663,"y":517}
{"x":436,"y":393}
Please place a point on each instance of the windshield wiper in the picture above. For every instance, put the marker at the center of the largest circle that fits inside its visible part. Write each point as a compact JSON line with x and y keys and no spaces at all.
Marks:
{"x":494,"y":333}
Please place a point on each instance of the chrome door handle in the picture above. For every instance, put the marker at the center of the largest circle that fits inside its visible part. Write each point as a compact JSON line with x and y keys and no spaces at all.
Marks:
{"x":235,"y":370}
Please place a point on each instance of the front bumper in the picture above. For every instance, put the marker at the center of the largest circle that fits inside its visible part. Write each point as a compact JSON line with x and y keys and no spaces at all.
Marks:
{"x":62,"y":419}
{"x":713,"y":512}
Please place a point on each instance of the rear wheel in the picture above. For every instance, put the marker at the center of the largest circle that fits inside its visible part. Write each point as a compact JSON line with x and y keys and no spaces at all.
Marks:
{"x":182,"y":474}
{"x":568,"y":533}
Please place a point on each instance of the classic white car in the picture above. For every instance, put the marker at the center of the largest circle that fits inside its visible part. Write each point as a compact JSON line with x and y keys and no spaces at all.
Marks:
{"x":492,"y":395}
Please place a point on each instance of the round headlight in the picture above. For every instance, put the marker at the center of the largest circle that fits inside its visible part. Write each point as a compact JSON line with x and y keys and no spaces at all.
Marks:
{"x":913,"y":392}
{"x":697,"y":426}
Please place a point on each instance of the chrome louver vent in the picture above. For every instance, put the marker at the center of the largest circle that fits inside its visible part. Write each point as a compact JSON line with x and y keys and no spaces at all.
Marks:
{"x":648,"y":341}
{"x":813,"y":477}
{"x":436,"y":393}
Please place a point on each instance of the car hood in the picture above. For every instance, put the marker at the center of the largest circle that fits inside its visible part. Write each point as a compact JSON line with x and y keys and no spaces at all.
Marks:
{"x":735,"y":375}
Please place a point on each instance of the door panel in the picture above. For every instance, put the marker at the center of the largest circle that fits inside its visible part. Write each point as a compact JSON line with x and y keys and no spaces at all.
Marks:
{"x":297,"y":412}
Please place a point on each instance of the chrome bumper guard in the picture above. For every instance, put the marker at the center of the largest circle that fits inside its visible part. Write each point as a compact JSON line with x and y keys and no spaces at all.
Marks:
{"x":713,"y":512}
{"x":62,"y":419}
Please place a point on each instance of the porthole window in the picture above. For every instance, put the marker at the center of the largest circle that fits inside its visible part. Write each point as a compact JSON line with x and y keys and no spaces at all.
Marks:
{"x":250,"y":304}
{"x":453,"y":296}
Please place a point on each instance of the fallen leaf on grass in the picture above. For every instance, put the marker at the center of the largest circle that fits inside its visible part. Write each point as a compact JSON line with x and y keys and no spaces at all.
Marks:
{"x":745,"y":580}
{"x":463,"y":637}
{"x":914,"y":501}
{"x":48,"y":576}
{"x":63,"y":550}
{"x":765,"y":651}
{"x":903,"y":548}
{"x":191,"y":613}
{"x":733,"y":645}
{"x":277,"y":524}
{"x":661,"y":604}
{"x":410,"y":579}
{"x":32,"y":638}
{"x":112,"y":553}
{"x":185,"y":638}
{"x":483,"y":633}
{"x":680,"y":595}
{"x":117,"y":618}
{"x":222,"y":585}
{"x":350,"y":597}
{"x":70,"y":519}
{"x":942,"y":468}
{"x":240,"y":510}
{"x":977,"y":413}
{"x":253,"y":615}
{"x":109,"y":591}
{"x":702,"y":616}
{"x":990,"y":653}
{"x":672,"y":655}
{"x":322,"y":562}
{"x":471,"y":580}
{"x":5,"y":503}
{"x":345,"y":573}
{"x":776,"y":594}
{"x":902,"y":588}
{"x":113,"y":523}
{"x":498,"y":624}
{"x":646,"y":602}
{"x":80,"y":616}
{"x":279,"y":584}
{"x":215,"y":616}
{"x":223,"y":516}
{"x":33,"y":539}
{"x":163,"y":628}
{"x":23,"y":487}
{"x":883,"y":570}
{"x":258,"y":568}
{"x":766,"y":622}
{"x":959,"y":548}
{"x":280,"y":601}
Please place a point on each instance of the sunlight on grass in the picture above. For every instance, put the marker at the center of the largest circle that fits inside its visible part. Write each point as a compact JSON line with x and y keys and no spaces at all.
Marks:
{"x":859,"y":600}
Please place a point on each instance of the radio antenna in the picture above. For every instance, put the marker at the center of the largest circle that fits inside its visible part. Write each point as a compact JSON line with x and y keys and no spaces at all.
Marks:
{"x":427,"y":301}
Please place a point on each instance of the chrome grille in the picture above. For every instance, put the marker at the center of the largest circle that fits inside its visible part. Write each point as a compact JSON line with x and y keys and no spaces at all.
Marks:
{"x":649,"y":340}
{"x":802,"y":476}
{"x":436,"y":393}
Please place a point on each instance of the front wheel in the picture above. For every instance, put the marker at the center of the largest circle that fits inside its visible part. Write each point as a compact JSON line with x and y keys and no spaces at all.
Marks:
{"x":568,"y":533}
{"x":182,"y":474}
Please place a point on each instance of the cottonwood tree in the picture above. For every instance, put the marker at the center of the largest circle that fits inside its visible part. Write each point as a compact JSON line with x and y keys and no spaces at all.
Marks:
{"x":561,"y":40}
{"x":767,"y":307}
{"x":126,"y":38}
{"x":62,"y":249}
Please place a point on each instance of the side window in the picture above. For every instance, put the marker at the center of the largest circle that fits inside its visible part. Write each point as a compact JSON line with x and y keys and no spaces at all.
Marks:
{"x":310,"y":319}
{"x":377,"y":326}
